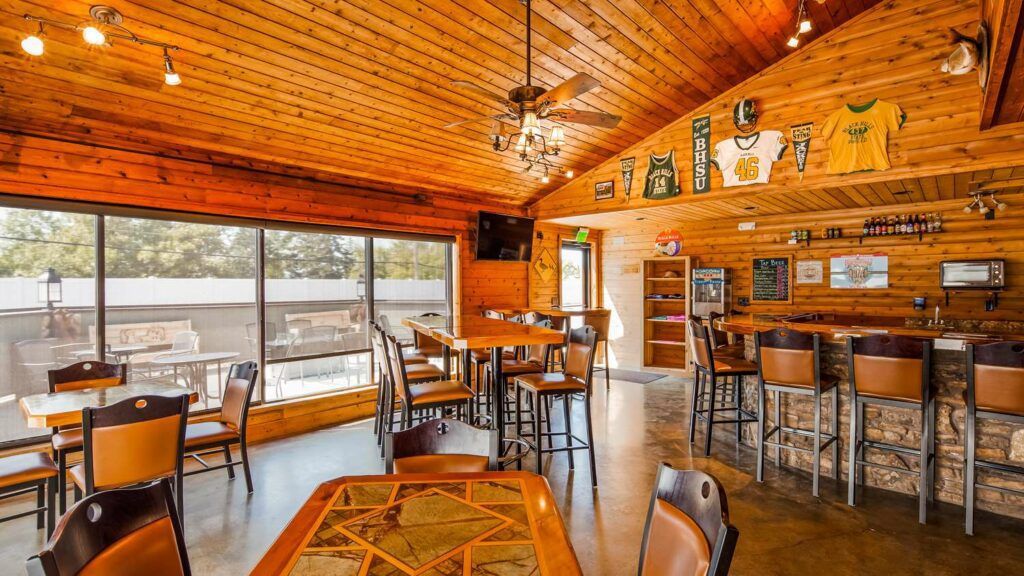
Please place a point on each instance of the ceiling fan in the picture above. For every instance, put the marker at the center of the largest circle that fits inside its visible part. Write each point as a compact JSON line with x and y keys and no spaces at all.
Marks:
{"x":527,"y":105}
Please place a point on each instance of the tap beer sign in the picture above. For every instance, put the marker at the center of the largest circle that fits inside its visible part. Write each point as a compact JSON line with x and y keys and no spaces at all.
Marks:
{"x":701,"y":156}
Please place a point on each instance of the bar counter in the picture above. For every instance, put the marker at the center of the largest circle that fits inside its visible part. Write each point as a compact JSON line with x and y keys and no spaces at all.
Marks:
{"x":996,"y":441}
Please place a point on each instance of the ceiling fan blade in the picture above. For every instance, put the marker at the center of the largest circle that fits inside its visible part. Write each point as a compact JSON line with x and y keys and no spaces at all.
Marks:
{"x":480,"y":90}
{"x":571,"y":88}
{"x":599,"y":119}
{"x":509,"y":117}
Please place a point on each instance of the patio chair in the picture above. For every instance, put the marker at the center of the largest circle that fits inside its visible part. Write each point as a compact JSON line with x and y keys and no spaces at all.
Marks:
{"x":252,"y":336}
{"x":34,"y":358}
{"x":184,"y":342}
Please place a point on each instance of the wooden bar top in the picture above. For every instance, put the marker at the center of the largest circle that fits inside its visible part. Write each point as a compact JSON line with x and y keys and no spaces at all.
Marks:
{"x":471,"y":332}
{"x":839,"y":327}
{"x":481,"y":523}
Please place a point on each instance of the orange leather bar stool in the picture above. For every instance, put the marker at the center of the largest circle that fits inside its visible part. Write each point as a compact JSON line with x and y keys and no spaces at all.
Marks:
{"x":441,"y":446}
{"x":720,"y":339}
{"x":687,"y":530}
{"x":995,"y":391}
{"x":31,"y":472}
{"x":535,"y":362}
{"x":68,"y":439}
{"x":205,"y":438}
{"x":426,"y":396}
{"x":788,"y":362}
{"x":895,"y":372}
{"x":600,"y":321}
{"x":575,"y":378}
{"x":133,"y":441}
{"x":708,"y":397}
{"x":124,"y":532}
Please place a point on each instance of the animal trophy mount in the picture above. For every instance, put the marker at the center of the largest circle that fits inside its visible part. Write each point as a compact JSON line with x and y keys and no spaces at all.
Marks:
{"x":969,"y":54}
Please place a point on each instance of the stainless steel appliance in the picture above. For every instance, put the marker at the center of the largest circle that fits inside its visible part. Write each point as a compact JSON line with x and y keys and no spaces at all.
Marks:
{"x":712,"y":291}
{"x":972,"y":274}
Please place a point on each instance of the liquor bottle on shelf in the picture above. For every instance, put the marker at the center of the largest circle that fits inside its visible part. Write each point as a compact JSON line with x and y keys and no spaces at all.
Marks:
{"x":892,"y":225}
{"x":930,"y":223}
{"x":938,"y":221}
{"x":866,"y":230}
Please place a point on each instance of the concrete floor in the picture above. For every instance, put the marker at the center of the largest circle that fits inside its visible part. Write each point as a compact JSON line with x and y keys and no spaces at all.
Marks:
{"x":783,"y":530}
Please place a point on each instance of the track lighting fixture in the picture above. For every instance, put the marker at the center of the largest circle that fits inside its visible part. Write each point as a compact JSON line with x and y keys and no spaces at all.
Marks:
{"x":104,"y":25}
{"x":978,"y":201}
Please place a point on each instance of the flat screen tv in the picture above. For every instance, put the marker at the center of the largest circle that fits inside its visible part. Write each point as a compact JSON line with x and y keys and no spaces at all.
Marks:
{"x":504,"y":237}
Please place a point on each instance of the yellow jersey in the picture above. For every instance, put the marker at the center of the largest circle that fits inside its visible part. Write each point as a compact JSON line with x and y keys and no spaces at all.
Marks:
{"x":858,"y":135}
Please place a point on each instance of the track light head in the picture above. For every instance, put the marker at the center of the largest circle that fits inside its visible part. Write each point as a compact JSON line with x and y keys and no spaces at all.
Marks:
{"x":94,"y":36}
{"x":805,"y":25}
{"x":171,"y":77}
{"x":33,"y":45}
{"x":793,"y":41}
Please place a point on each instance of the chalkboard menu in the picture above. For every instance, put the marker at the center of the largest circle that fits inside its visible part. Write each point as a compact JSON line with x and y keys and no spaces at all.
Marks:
{"x":772,"y":278}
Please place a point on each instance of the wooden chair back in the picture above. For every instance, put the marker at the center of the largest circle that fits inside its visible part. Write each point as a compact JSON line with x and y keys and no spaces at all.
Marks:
{"x":687,"y":530}
{"x":995,"y":377}
{"x":135,"y":440}
{"x":892,"y":367}
{"x":441,"y":445}
{"x":700,"y":344}
{"x":396,"y":365}
{"x":122,"y":532}
{"x":600,"y":321}
{"x":718,"y":338}
{"x":241,"y":382}
{"x":88,"y":374}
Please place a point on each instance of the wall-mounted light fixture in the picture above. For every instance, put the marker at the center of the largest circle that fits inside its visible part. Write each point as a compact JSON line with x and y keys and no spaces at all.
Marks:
{"x":978,"y":198}
{"x":105,"y":23}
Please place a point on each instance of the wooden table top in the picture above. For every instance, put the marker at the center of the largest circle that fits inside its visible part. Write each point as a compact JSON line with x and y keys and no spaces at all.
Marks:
{"x":496,"y":523}
{"x":563,"y":312}
{"x":471,"y":332}
{"x":64,"y":408}
{"x":838,"y":327}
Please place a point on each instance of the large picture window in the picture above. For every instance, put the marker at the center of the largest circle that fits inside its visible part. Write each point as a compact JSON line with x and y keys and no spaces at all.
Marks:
{"x":180,"y":298}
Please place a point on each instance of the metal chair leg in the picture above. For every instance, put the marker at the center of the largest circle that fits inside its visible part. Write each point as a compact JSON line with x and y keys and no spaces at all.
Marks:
{"x":851,"y":495}
{"x":536,"y":433}
{"x":62,"y":480}
{"x":40,"y":504}
{"x":694,"y":398}
{"x":922,"y":482}
{"x":51,"y":508}
{"x":227,"y":460}
{"x":759,"y":475}
{"x":836,"y":463}
{"x":778,"y":424}
{"x":590,"y":444}
{"x":568,"y":430}
{"x":816,"y":464}
{"x":242,"y":448}
{"x":710,"y":416}
{"x":969,"y":475}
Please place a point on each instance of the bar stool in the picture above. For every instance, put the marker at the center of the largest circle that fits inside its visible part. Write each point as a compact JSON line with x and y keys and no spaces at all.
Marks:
{"x":720,"y":339}
{"x":575,"y":378}
{"x":995,"y":391}
{"x":893,"y":371}
{"x":422,"y":371}
{"x":788,"y":362}
{"x":709,"y":368}
{"x":535,"y":362}
{"x":426,"y":396}
{"x":600,"y":321}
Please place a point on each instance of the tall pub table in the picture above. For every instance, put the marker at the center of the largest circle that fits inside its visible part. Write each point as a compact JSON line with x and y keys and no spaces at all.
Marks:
{"x":470,"y":332}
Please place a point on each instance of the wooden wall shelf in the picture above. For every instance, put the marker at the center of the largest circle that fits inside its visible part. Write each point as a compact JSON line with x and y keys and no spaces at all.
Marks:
{"x":665,"y":338}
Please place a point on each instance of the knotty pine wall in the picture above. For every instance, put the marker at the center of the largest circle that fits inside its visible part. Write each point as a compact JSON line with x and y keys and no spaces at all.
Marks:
{"x":46,"y":168}
{"x":893,"y":52}
{"x":913,"y":265}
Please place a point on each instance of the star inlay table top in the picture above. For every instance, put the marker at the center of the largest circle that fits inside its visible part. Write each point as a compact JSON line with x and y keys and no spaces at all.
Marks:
{"x":483,"y":524}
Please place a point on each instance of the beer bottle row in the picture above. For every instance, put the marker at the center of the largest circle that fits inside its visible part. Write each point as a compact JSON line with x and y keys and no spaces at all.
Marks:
{"x":902,"y":224}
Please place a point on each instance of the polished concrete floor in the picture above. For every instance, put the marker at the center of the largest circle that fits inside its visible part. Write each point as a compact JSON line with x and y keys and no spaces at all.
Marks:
{"x":783,"y":530}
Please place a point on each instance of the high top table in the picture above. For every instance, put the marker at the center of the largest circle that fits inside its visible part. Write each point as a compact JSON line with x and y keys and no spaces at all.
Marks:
{"x":53,"y":409}
{"x":470,"y":332}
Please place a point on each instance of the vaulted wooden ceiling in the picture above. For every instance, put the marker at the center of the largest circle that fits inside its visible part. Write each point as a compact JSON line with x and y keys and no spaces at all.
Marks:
{"x":358,"y":90}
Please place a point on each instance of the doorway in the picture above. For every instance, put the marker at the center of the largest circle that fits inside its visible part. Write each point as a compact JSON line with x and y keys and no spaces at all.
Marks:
{"x":575,"y":275}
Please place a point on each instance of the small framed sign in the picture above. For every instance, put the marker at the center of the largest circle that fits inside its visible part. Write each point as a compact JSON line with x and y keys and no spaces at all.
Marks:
{"x":604,"y":190}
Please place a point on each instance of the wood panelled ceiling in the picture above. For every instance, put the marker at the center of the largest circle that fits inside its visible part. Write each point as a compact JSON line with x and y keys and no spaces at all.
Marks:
{"x":887,"y":198}
{"x":358,"y":90}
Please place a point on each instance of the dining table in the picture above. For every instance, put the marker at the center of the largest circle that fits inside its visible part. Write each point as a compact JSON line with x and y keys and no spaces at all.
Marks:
{"x":471,"y":332}
{"x":497,"y":523}
{"x":194,"y":366}
{"x":54,"y":409}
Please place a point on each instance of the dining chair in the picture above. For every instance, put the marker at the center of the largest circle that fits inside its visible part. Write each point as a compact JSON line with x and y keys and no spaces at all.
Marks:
{"x":600,"y":321}
{"x":442,"y":445}
{"x":576,"y":377}
{"x":687,"y":530}
{"x":184,"y":342}
{"x":207,"y":438}
{"x":66,"y":440}
{"x":425,"y":396}
{"x":121,"y":532}
{"x":536,"y":361}
{"x":31,"y":472}
{"x":134,"y":441}
{"x":417,"y":371}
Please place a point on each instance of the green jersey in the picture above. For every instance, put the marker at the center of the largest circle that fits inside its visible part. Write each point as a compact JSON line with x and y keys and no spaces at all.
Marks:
{"x":662,"y":177}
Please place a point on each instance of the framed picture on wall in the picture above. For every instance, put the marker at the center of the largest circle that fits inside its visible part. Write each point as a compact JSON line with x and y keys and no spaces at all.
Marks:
{"x":604,"y":190}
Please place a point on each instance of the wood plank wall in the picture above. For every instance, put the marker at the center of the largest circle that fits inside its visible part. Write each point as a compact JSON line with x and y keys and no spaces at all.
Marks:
{"x":544,"y":294}
{"x":893,"y":52}
{"x":54,"y":169}
{"x":913,"y":265}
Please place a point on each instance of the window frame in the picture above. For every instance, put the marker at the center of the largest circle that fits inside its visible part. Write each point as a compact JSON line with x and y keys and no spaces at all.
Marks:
{"x":101,"y":210}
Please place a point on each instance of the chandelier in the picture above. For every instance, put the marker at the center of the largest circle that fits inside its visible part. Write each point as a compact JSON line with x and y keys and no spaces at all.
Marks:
{"x":105,"y":23}
{"x":533,"y":147}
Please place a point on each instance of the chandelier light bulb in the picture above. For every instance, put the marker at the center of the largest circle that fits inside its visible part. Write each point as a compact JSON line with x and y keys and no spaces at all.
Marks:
{"x":531,"y":126}
{"x":984,"y":209}
{"x":967,"y":209}
{"x":545,"y":179}
{"x":569,"y":173}
{"x":92,"y":35}
{"x":793,"y":42}
{"x":33,"y":45}
{"x":557,"y":136}
{"x":521,"y":143}
{"x":1000,"y":206}
{"x":805,"y":25}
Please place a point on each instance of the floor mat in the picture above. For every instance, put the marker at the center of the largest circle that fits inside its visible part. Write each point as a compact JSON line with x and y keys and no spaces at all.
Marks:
{"x":635,"y":376}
